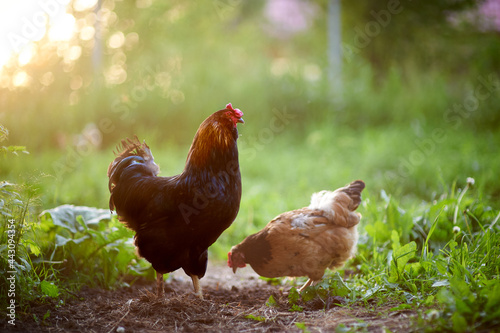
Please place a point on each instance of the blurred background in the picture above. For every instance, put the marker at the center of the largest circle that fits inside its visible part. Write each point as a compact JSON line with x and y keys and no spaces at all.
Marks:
{"x":402,"y":94}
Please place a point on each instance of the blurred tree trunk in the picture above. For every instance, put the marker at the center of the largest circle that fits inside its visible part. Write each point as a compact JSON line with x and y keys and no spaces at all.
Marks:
{"x":97,"y":52}
{"x":334,"y":49}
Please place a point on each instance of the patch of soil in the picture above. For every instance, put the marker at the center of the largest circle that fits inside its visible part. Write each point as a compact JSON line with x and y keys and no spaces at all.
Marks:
{"x":232,"y":303}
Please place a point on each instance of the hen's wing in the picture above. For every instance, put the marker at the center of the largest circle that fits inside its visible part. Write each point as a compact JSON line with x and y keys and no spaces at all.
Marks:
{"x":305,"y":242}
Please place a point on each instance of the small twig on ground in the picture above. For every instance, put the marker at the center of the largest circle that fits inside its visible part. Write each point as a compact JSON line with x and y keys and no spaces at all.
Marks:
{"x":126,"y":313}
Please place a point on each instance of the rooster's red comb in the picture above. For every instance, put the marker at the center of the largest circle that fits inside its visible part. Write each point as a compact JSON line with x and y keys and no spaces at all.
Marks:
{"x":238,"y":112}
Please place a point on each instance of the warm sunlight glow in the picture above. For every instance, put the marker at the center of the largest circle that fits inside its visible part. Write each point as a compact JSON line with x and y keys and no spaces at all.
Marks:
{"x":47,"y":79}
{"x":26,"y":21}
{"x":73,"y":53}
{"x":116,"y":40}
{"x":83,"y":5}
{"x":21,"y":78}
{"x":115,"y":75}
{"x":87,"y":33}
{"x":63,"y":28}
{"x":26,"y":54}
{"x":4,"y":57}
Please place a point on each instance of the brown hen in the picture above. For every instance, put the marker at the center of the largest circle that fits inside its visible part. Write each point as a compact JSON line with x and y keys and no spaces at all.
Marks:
{"x":304,"y":242}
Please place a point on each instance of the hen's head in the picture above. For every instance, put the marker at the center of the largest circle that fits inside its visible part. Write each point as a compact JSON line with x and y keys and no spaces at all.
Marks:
{"x":235,"y":259}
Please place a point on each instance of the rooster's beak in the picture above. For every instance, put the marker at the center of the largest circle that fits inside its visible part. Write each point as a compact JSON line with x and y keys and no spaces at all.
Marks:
{"x":240,"y":120}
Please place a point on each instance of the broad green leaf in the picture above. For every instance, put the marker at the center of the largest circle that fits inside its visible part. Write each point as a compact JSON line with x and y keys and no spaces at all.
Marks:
{"x":370,"y":292}
{"x":414,"y":269}
{"x":395,"y":240}
{"x":337,"y":286}
{"x":61,"y":241}
{"x":49,"y":288}
{"x":309,"y":293}
{"x":441,"y":283}
{"x":65,"y":216}
{"x":400,"y":258}
{"x":404,"y":254}
{"x":271,"y":301}
{"x":293,"y":296}
{"x":35,"y":249}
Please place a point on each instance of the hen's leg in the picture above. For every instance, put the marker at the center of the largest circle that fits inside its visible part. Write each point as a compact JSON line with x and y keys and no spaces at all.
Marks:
{"x":307,"y":284}
{"x":196,"y":286}
{"x":159,"y":284}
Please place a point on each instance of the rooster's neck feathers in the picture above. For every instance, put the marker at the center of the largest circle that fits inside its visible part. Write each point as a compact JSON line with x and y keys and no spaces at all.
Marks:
{"x":214,"y":144}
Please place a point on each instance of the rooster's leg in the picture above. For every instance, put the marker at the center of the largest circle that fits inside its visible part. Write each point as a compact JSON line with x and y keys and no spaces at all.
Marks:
{"x":196,"y":286}
{"x":159,"y":284}
{"x":307,"y":284}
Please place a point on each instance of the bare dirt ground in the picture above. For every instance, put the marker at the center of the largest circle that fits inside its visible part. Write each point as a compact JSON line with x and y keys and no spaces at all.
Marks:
{"x":232,"y":303}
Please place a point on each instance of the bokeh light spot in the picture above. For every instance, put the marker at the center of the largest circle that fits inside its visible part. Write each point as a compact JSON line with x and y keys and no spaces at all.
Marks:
{"x":116,"y":40}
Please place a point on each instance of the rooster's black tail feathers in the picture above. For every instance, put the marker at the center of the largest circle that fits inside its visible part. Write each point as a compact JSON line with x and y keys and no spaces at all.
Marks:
{"x":130,"y":153}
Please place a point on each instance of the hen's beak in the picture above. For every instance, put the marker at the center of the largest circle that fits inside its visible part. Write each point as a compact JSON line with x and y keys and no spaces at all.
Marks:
{"x":234,"y":269}
{"x":240,"y":120}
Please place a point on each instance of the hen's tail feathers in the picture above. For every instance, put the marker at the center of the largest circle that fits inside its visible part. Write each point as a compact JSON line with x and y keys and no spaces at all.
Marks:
{"x":353,"y":190}
{"x":131,"y":151}
{"x":339,"y":206}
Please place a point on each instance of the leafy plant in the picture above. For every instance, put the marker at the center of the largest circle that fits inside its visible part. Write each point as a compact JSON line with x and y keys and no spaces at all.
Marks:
{"x":271,"y":301}
{"x":399,"y":259}
{"x":469,"y":289}
{"x":293,"y":300}
{"x":460,"y":277}
{"x":92,"y":244}
{"x":21,"y":276}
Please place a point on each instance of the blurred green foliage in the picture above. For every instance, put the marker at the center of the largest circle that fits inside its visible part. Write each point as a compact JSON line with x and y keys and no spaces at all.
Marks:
{"x":166,"y":66}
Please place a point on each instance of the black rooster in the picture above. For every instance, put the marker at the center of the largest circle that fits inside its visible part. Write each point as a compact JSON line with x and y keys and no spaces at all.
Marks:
{"x":177,"y":218}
